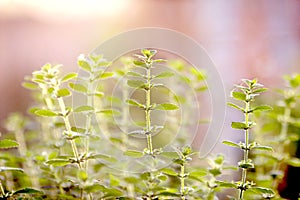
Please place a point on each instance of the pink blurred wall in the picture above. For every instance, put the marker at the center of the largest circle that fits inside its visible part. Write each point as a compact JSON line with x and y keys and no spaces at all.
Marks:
{"x":244,"y":38}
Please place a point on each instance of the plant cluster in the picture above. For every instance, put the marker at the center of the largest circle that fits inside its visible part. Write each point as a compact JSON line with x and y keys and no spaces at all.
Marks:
{"x":111,"y":132}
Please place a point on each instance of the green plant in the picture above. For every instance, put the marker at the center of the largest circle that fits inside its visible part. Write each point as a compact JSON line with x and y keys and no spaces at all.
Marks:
{"x":91,"y":131}
{"x":246,"y":93}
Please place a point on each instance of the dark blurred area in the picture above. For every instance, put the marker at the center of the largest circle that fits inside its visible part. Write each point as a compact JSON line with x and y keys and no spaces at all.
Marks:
{"x":245,"y":39}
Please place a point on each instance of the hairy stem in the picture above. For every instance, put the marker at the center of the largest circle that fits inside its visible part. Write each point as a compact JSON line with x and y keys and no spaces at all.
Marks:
{"x":182,"y":174}
{"x":147,"y":112}
{"x":68,"y":129}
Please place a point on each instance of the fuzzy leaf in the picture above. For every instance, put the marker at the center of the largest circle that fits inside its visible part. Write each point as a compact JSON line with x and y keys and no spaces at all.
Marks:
{"x":139,"y":63}
{"x":3,"y":169}
{"x":166,"y":106}
{"x":295,"y":162}
{"x":58,"y":162}
{"x":8,"y":144}
{"x":164,"y":75}
{"x":30,"y":86}
{"x":82,"y":175}
{"x":134,"y":103}
{"x":83,"y":64}
{"x":69,"y":76}
{"x":169,"y":171}
{"x":262,"y":108}
{"x":238,"y":95}
{"x":232,"y":144}
{"x":106,"y":75}
{"x":27,"y":191}
{"x":169,"y":154}
{"x":45,"y":113}
{"x":225,"y":184}
{"x":235,"y":106}
{"x":264,"y":148}
{"x":63,"y":92}
{"x":84,"y":109}
{"x":135,"y":74}
{"x":109,"y":112}
{"x":137,"y":132}
{"x":238,"y":125}
{"x":78,"y":87}
{"x":134,"y":154}
{"x":262,"y":190}
{"x":104,"y":157}
{"x":135,"y":83}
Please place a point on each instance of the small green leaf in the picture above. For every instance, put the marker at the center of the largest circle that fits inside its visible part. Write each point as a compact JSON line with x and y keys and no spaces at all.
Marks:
{"x":104,"y":157}
{"x":84,"y":109}
{"x":109,"y":112}
{"x":135,"y":74}
{"x":3,"y":169}
{"x":235,"y":106}
{"x":139,"y":63}
{"x":30,"y":86}
{"x":134,"y":103}
{"x":8,"y":144}
{"x":83,"y":64}
{"x":45,"y":113}
{"x":135,"y":83}
{"x":164,"y":75}
{"x":261,"y":147}
{"x":137,"y":132}
{"x":78,"y":87}
{"x":238,"y":125}
{"x":197,"y":174}
{"x":82,"y":175}
{"x":106,"y":75}
{"x":69,"y":76}
{"x":169,"y":154}
{"x":238,"y":95}
{"x":232,"y":144}
{"x":169,"y":171}
{"x":262,"y":108}
{"x":169,"y":194}
{"x":246,"y":165}
{"x":134,"y":154}
{"x":295,"y":162}
{"x":166,"y":106}
{"x":27,"y":191}
{"x":148,"y":53}
{"x":58,"y":162}
{"x":260,"y":90}
{"x":63,"y":92}
{"x":262,"y":190}
{"x":226,"y":184}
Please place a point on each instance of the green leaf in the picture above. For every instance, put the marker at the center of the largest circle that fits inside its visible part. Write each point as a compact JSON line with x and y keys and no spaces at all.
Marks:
{"x":3,"y":169}
{"x":69,"y":76}
{"x":135,"y":74}
{"x":166,"y":106}
{"x":134,"y":103}
{"x":83,"y":64}
{"x":232,"y":144}
{"x":246,"y":165}
{"x":169,"y":171}
{"x":235,"y":106}
{"x":135,"y":83}
{"x":58,"y":162}
{"x":134,"y":154}
{"x":7,"y":144}
{"x":106,"y":75}
{"x":238,"y":125}
{"x":169,"y":194}
{"x":164,"y":75}
{"x":198,"y":173}
{"x":260,"y":90}
{"x":137,"y":132}
{"x":226,"y":184}
{"x":262,"y":108}
{"x":30,"y":86}
{"x":104,"y":157}
{"x":45,"y":113}
{"x":261,"y":147}
{"x":238,"y":95}
{"x":84,"y":109}
{"x":148,"y":53}
{"x":139,"y":63}
{"x":82,"y":175}
{"x":295,"y":162}
{"x":169,"y":154}
{"x":27,"y":191}
{"x":109,"y":112}
{"x":262,"y":190}
{"x":78,"y":87}
{"x":63,"y":92}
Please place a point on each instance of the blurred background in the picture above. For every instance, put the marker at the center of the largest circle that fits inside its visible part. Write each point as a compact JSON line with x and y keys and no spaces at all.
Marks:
{"x":245,"y":39}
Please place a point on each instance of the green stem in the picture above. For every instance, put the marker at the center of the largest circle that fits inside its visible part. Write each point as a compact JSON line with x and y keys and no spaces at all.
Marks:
{"x":68,"y":129}
{"x":147,"y":112}
{"x":2,"y":189}
{"x":246,"y":150}
{"x":182,"y":174}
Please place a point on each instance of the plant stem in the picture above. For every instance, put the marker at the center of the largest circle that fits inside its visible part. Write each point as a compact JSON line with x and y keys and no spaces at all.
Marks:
{"x":2,"y":189}
{"x":148,"y":110}
{"x":68,"y":129}
{"x":246,"y":150}
{"x":182,"y":174}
